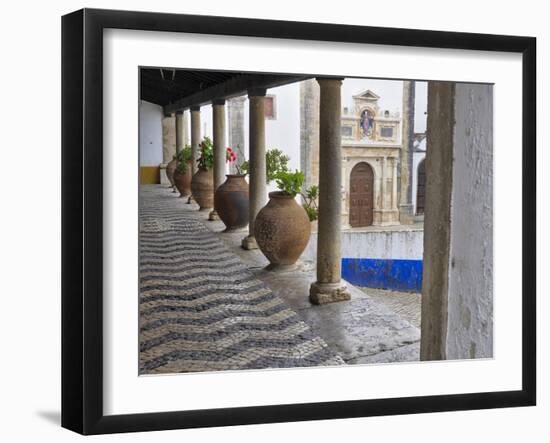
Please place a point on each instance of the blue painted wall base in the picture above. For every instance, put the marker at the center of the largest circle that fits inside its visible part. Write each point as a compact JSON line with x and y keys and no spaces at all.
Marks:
{"x":398,"y":275}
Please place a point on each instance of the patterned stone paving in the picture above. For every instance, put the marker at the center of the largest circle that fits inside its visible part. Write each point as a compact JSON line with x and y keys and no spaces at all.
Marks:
{"x":404,"y":304}
{"x":202,"y":310}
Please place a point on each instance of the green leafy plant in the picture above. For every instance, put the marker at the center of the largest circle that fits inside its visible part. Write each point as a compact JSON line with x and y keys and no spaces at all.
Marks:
{"x":206,"y":159}
{"x":289,"y":183}
{"x":184,"y":157}
{"x":310,"y":202}
{"x":275,"y":162}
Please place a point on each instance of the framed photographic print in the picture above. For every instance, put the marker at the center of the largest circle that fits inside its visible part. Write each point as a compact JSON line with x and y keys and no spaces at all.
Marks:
{"x":269,"y":221}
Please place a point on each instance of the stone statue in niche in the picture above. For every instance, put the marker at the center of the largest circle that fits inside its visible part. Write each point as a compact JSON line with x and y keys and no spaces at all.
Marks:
{"x":367,"y":124}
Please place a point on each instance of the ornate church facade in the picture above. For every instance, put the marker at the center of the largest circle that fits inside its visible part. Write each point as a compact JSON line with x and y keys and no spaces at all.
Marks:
{"x":375,"y":146}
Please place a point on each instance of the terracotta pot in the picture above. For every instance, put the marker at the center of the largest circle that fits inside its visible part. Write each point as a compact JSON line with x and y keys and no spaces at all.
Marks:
{"x":202,"y":188}
{"x":231,"y":202}
{"x":170,"y":169}
{"x":282,"y":230}
{"x":183,"y":181}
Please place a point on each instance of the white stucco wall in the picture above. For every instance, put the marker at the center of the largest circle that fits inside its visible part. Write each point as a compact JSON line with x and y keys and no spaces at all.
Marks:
{"x":403,"y":244}
{"x":150,"y":134}
{"x":420,"y":106}
{"x":470,"y":299}
{"x":283,"y":132}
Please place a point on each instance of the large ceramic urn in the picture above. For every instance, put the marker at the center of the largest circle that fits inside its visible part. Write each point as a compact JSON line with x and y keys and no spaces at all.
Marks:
{"x":231,"y":202}
{"x":170,"y":169}
{"x":282,"y":230}
{"x":202,"y":188}
{"x":182,"y":181}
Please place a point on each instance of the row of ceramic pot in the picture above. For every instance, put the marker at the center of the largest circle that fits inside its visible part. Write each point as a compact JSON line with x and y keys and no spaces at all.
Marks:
{"x":281,"y":228}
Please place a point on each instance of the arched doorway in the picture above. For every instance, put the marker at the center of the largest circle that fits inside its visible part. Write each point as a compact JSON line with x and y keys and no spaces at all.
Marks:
{"x":420,"y":188}
{"x":361,"y":195}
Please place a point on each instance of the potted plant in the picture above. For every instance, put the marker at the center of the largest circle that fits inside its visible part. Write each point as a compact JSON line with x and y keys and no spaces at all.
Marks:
{"x":309,"y":197}
{"x":182,"y":174}
{"x":282,"y":227}
{"x":275,"y":162}
{"x":202,"y":183}
{"x":231,"y":198}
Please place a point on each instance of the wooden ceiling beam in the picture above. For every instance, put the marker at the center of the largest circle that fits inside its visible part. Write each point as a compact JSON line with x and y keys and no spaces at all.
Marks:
{"x":234,"y":87}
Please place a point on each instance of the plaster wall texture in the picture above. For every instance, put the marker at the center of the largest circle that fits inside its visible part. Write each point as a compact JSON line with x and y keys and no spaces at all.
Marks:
{"x":457,"y":303}
{"x":470,"y":303}
{"x":150,"y":134}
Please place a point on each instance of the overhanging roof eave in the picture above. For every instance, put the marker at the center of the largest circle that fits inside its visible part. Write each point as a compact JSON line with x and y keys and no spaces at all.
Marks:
{"x":233,"y":87}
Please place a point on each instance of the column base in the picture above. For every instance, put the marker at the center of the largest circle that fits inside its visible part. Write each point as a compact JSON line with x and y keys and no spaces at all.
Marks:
{"x":249,"y":243}
{"x":323,"y":293}
{"x":213,"y":216}
{"x":163,"y":177}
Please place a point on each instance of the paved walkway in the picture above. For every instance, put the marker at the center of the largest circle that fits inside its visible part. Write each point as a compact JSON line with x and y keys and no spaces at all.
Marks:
{"x":207,"y":304}
{"x":200,"y":307}
{"x":405,"y":304}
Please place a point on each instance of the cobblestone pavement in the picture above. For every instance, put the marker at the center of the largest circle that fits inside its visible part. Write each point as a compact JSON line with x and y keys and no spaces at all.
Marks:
{"x":405,"y":304}
{"x":200,"y":307}
{"x":362,"y":330}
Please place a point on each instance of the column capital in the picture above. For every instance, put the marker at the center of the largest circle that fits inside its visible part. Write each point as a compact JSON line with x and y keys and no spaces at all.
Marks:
{"x":257,"y":92}
{"x":218,"y":101}
{"x":167,"y":114}
{"x":329,"y":79}
{"x":194,"y":108}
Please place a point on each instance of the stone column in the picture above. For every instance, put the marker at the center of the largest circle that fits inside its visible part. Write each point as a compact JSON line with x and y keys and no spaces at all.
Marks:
{"x":168,"y":146}
{"x":195,"y":134}
{"x":179,"y":131}
{"x":235,"y":118}
{"x":329,"y":286}
{"x":185,"y":128}
{"x":309,"y":131}
{"x":406,"y":215}
{"x":394,"y":184}
{"x":257,"y":182}
{"x":218,"y":123}
{"x":384,"y":186}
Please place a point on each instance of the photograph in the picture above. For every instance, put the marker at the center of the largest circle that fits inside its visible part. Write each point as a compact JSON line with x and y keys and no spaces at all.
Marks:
{"x":282,"y":216}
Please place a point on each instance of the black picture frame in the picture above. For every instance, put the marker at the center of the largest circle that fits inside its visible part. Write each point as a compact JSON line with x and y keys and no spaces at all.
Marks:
{"x":82,"y":218}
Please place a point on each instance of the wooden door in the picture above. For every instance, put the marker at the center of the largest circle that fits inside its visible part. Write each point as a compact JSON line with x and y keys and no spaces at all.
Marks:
{"x":420,"y":188}
{"x":361,"y":195}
